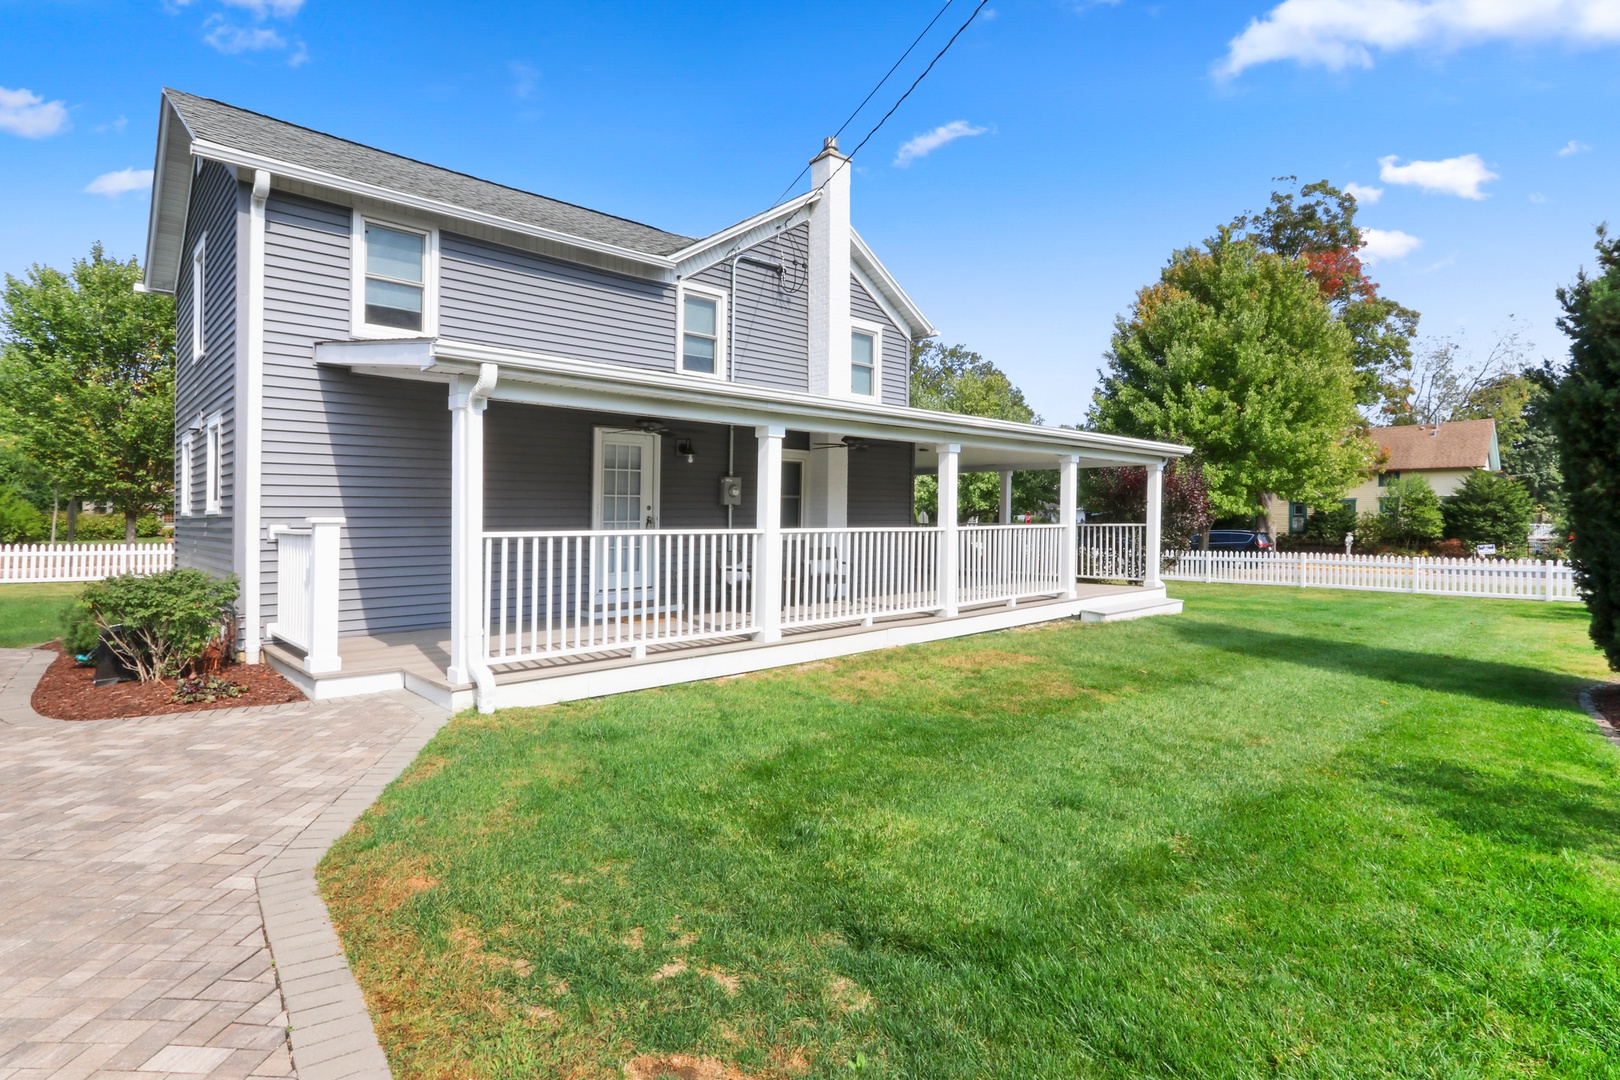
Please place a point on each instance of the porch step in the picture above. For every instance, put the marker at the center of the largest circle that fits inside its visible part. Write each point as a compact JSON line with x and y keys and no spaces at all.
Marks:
{"x":1138,"y":611}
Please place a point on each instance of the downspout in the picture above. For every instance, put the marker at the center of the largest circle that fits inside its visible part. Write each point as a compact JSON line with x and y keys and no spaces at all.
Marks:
{"x":483,"y":678}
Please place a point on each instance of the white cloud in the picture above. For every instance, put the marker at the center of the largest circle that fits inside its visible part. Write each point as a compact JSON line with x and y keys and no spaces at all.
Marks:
{"x":25,"y":113}
{"x":1537,"y":198}
{"x":929,"y":141}
{"x":1378,"y":245}
{"x":1573,"y":147}
{"x":300,"y":56}
{"x":231,"y":39}
{"x":1338,"y":34}
{"x":1460,"y":176}
{"x":281,"y":9}
{"x":114,"y":184}
{"x":525,"y":77}
{"x":1365,"y":193}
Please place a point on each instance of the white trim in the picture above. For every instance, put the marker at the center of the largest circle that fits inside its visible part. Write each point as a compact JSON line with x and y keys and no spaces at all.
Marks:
{"x":249,"y":426}
{"x":575,"y":383}
{"x":214,"y":464}
{"x":880,"y":299}
{"x":183,"y":507}
{"x":231,"y":156}
{"x":358,"y":327}
{"x":199,"y":298}
{"x":722,"y":347}
{"x":875,"y":332}
{"x":651,"y":469}
{"x":864,"y":259}
{"x":718,"y":247}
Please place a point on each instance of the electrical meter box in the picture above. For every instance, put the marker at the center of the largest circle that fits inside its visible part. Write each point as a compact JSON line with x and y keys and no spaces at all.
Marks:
{"x":731,"y":491}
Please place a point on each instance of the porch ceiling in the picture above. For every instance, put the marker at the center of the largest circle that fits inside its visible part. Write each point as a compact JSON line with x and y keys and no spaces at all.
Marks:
{"x":536,"y":378}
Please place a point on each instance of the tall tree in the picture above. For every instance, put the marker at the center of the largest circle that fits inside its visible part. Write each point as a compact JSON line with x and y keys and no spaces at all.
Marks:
{"x":1447,"y":384}
{"x":954,"y":378}
{"x":1236,"y":352}
{"x":1318,"y":226}
{"x":1586,"y":415}
{"x":1530,"y":452}
{"x":87,"y":381}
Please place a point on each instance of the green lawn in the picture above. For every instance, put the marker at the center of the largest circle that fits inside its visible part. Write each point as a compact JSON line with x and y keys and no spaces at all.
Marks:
{"x":30,"y":614}
{"x":1301,"y":834}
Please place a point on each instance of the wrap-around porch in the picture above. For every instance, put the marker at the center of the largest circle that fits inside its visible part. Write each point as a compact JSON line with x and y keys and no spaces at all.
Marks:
{"x":621,"y":601}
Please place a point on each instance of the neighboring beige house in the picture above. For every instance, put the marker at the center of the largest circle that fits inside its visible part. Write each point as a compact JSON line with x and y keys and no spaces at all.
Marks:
{"x":1443,"y":454}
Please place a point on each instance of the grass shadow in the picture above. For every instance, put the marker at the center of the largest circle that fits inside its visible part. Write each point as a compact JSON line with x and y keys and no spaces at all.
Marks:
{"x":1530,"y":808}
{"x":1486,"y":680}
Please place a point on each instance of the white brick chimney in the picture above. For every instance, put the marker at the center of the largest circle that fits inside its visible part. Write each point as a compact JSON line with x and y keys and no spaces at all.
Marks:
{"x":829,"y":274}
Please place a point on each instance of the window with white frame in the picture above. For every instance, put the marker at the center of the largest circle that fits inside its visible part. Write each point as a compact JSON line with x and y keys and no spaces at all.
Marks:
{"x":863,"y":355}
{"x":701,"y":333}
{"x":199,"y":294}
{"x":394,"y":286}
{"x":214,"y":466}
{"x":184,"y":509}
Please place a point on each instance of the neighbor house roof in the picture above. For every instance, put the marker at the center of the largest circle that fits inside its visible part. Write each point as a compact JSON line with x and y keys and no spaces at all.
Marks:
{"x":1459,"y":444}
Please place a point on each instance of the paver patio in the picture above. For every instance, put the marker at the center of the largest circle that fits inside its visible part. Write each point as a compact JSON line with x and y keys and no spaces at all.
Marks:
{"x":132,"y":942}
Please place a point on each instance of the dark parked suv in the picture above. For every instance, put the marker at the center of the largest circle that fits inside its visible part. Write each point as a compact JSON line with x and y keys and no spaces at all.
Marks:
{"x":1235,"y":540}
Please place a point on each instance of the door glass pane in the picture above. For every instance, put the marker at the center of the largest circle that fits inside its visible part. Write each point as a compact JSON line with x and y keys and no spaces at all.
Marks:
{"x":621,"y":486}
{"x":792,"y":493}
{"x":394,"y":254}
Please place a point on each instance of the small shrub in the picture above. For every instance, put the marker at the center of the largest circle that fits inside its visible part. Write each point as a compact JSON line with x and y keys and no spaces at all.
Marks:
{"x":20,"y":523}
{"x":209,"y":688}
{"x":80,"y":631}
{"x":1329,"y":525}
{"x":162,"y":624}
{"x":1450,"y":549}
{"x":109,"y":528}
{"x":1411,"y":510}
{"x":1489,"y":509}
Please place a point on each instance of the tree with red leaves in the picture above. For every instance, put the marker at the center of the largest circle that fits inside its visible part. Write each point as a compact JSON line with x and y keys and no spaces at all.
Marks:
{"x":1320,"y":228}
{"x":1120,"y":494}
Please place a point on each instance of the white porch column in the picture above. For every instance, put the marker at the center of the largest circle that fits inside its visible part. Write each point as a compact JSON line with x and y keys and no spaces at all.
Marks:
{"x":325,"y":555}
{"x":1006,"y":498}
{"x":768,"y":519}
{"x":949,"y":533}
{"x":827,"y":482}
{"x":1068,"y":500}
{"x":1155,"y":544}
{"x":468,"y":399}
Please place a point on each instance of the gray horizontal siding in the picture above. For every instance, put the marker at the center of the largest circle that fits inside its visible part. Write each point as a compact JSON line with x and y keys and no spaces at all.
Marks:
{"x":896,"y":346}
{"x":374,"y":451}
{"x":771,"y":313}
{"x":500,"y":296}
{"x":206,"y":385}
{"x":880,"y":485}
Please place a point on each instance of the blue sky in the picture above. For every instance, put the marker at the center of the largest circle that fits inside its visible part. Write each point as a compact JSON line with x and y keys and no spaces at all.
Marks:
{"x":1090,"y":139}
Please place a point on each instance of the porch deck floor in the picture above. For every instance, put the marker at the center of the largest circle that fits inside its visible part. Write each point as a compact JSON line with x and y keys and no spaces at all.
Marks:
{"x":425,"y":654}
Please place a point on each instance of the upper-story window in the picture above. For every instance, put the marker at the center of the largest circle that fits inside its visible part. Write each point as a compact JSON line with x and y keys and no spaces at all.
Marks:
{"x":396,"y":277}
{"x":701,"y":333}
{"x":199,"y":294}
{"x":863,"y":355}
{"x":394,"y":287}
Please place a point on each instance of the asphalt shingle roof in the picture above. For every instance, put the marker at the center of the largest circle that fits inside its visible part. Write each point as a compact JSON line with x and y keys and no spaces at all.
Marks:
{"x":1460,"y":444}
{"x":251,"y":132}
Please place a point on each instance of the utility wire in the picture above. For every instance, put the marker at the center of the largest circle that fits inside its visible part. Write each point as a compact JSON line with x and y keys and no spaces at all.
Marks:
{"x":902,"y":100}
{"x":912,"y":47}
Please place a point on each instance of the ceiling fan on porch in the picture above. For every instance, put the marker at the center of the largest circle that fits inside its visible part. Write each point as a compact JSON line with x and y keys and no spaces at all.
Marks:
{"x":848,"y":442}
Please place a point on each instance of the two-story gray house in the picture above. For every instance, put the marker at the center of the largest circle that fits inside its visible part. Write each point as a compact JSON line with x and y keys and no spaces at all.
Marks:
{"x":502,"y":449}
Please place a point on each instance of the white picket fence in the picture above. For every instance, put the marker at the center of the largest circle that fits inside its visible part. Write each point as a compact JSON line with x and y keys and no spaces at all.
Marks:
{"x":81,"y":562}
{"x":1506,"y":579}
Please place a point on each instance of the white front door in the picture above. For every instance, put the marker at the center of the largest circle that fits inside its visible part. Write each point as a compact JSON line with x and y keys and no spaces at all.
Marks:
{"x":624,"y":499}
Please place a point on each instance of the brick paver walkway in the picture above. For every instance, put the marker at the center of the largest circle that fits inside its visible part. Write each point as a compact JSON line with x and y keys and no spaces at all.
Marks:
{"x":131,"y":939}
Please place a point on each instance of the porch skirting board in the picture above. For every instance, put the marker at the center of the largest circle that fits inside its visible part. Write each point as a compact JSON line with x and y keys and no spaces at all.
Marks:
{"x":598,"y":678}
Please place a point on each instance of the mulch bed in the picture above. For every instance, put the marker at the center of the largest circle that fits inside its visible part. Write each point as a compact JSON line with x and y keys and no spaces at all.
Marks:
{"x":1607,"y":700}
{"x":66,"y":692}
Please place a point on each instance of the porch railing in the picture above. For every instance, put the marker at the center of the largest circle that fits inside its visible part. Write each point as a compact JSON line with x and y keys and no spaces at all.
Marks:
{"x":307,"y":591}
{"x":1113,"y":552}
{"x":1009,"y":562}
{"x":844,"y":575}
{"x":552,"y":594}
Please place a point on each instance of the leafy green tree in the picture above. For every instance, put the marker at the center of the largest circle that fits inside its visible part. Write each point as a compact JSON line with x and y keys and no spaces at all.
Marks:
{"x":1319,"y":228}
{"x":1530,"y":450}
{"x":87,"y":382}
{"x":1235,"y":351}
{"x":1329,"y":524}
{"x":954,"y":378}
{"x":1489,"y":509}
{"x":1411,"y":510}
{"x":1586,"y":416}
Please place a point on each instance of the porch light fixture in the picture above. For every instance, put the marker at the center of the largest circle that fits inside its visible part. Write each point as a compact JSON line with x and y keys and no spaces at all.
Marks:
{"x":684,"y":449}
